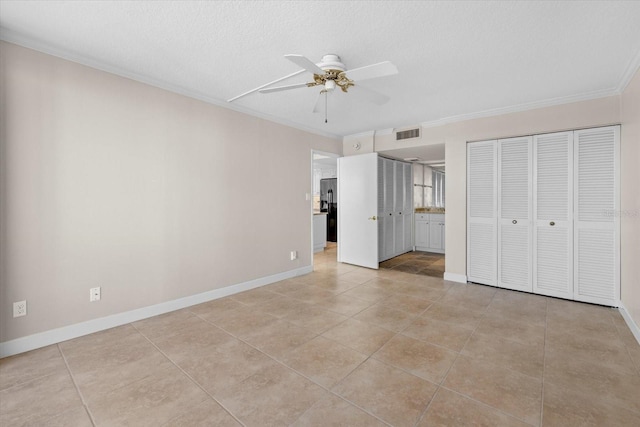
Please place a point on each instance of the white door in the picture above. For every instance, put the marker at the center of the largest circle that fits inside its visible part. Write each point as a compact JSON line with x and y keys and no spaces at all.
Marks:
{"x":481,"y":212}
{"x":357,"y":215}
{"x":408,"y":207}
{"x":387,"y":220}
{"x":553,"y":214}
{"x":596,"y":221}
{"x":514,"y":213}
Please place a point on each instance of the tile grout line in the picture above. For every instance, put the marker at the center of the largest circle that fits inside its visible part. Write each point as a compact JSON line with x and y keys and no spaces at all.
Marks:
{"x":627,"y":347}
{"x":544,"y":359}
{"x":458,"y":354}
{"x":479,"y":402}
{"x":442,"y":386}
{"x":75,"y":384}
{"x":188,"y":376}
{"x":396,"y":333}
{"x":284,"y":365}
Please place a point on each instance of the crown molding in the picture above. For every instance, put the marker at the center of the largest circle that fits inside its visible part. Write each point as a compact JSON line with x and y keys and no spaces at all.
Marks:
{"x":522,"y":107}
{"x":368,"y":133}
{"x":14,"y":38}
{"x":383,"y":132}
{"x":629,"y":72}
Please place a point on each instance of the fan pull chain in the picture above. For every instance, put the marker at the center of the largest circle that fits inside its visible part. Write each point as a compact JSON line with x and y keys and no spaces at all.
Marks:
{"x":325,"y":106}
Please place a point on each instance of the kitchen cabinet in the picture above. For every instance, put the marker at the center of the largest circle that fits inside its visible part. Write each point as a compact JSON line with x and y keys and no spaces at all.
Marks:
{"x":422,"y":232}
{"x":436,"y":233}
{"x":319,"y":232}
{"x":429,"y":232}
{"x":541,"y":214}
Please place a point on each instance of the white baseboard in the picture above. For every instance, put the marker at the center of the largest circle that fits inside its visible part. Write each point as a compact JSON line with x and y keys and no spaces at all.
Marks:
{"x":635,"y":330}
{"x":54,"y":336}
{"x":455,"y":277}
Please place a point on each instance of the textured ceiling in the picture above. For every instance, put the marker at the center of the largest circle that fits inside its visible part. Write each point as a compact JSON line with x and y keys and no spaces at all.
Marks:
{"x":456,"y":59}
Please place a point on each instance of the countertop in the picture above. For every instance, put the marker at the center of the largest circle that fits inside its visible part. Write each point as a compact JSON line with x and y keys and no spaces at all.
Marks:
{"x":430,"y":210}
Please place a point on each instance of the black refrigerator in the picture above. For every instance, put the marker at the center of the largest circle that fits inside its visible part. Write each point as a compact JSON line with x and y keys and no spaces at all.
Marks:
{"x":329,"y":204}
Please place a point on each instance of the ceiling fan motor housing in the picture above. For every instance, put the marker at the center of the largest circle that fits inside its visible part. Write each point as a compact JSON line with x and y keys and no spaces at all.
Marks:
{"x":331,"y":62}
{"x":334,"y":74}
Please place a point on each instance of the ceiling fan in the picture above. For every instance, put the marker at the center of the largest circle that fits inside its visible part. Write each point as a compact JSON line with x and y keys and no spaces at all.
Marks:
{"x":329,"y":74}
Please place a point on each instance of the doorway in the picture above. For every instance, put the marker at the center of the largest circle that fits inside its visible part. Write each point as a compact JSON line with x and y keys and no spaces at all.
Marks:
{"x":429,"y":196}
{"x":324,"y":167}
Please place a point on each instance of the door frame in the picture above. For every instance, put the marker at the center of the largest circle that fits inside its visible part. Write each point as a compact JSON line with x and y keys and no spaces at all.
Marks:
{"x":322,"y":153}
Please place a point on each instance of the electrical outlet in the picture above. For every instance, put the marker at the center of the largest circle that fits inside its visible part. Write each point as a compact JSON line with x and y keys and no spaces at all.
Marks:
{"x":94,"y":294}
{"x":294,"y":255}
{"x":20,"y":308}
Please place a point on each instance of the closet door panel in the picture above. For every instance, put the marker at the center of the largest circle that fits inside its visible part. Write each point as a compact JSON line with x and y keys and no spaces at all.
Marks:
{"x":408,"y":207}
{"x":596,"y":222}
{"x":514,"y":213}
{"x":514,"y":265}
{"x":482,"y":253}
{"x":482,"y":212}
{"x":398,"y":220}
{"x":553,"y":214}
{"x":398,"y":233}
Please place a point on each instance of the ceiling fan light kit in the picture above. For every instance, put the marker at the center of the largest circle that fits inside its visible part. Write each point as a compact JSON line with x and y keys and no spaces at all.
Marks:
{"x":331,"y":73}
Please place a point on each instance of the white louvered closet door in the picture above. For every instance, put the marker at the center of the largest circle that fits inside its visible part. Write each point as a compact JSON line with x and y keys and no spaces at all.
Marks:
{"x":398,"y":212}
{"x":408,"y":207}
{"x":482,"y":212}
{"x":514,"y":214}
{"x":553,"y":214}
{"x":387,"y":217}
{"x":596,"y":221}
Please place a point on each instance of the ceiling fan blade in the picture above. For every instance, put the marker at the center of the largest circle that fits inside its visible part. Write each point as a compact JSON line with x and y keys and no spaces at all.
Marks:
{"x":265,"y":85}
{"x":364,"y":94}
{"x":373,"y":71}
{"x":281,"y":88}
{"x":306,"y":63}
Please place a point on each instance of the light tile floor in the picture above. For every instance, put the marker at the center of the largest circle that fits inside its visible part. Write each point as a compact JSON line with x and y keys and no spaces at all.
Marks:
{"x":342,"y":346}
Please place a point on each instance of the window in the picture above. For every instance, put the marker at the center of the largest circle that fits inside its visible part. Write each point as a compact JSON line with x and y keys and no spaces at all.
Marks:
{"x":438,"y":189}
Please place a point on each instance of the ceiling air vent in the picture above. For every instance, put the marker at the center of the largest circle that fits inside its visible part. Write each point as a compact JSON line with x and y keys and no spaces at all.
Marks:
{"x":406,"y":134}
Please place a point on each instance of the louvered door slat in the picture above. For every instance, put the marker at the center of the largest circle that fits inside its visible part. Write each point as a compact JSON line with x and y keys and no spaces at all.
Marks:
{"x":388,"y":186}
{"x":398,"y":205}
{"x":482,"y":212}
{"x":552,"y":207}
{"x":398,"y":174}
{"x":553,"y":268}
{"x":596,"y":226}
{"x":514,"y":205}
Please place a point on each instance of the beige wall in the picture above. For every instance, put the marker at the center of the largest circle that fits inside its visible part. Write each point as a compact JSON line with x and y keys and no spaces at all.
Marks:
{"x":630,"y":200}
{"x":149,"y":194}
{"x":598,"y":112}
{"x":624,"y":109}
